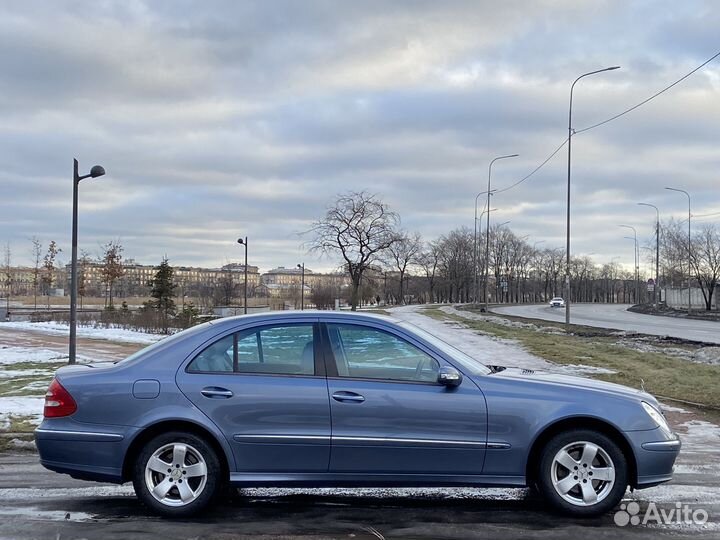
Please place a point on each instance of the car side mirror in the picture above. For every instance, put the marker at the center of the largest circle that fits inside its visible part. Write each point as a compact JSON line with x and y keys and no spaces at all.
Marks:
{"x":449,"y":376}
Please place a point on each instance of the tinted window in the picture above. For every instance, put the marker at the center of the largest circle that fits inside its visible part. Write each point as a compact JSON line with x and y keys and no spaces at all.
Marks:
{"x":273,"y":349}
{"x":363,"y":352}
{"x":216,"y":357}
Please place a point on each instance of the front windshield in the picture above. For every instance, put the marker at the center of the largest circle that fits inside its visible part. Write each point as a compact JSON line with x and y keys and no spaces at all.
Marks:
{"x":467,"y":362}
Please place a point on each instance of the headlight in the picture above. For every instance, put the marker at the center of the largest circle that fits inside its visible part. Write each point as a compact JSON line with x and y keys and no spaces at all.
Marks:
{"x":657,"y":417}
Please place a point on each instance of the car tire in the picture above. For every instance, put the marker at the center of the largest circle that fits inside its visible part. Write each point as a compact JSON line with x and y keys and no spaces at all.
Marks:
{"x":574,"y":465}
{"x":177,"y":474}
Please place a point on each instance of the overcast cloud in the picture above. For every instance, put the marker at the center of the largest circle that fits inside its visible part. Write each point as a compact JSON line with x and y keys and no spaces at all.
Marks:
{"x":220,"y":119}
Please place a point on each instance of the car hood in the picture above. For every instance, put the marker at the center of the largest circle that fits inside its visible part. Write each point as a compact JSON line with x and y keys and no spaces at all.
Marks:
{"x":544,"y":377}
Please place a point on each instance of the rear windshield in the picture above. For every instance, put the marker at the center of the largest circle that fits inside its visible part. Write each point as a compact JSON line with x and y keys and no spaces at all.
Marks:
{"x":166,"y":341}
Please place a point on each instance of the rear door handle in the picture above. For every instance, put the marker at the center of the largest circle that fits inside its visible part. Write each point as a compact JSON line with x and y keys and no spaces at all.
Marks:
{"x":216,"y":392}
{"x":348,"y":396}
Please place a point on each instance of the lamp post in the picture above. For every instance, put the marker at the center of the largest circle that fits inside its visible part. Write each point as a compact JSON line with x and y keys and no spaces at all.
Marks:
{"x":475,"y":245}
{"x":567,"y":235}
{"x":637,"y":256}
{"x":689,"y":247}
{"x":244,"y":242}
{"x":95,"y":172}
{"x":487,"y":226}
{"x":302,"y":286}
{"x":656,"y":294}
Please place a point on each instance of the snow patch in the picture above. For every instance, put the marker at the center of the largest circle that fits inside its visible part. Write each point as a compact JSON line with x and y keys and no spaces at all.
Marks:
{"x":27,"y":406}
{"x":582,"y":370}
{"x":14,"y":355}
{"x":59,"y":329}
{"x":669,"y":408}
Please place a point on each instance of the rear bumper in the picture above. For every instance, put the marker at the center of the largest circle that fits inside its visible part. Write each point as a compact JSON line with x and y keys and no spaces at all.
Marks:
{"x":87,"y":455}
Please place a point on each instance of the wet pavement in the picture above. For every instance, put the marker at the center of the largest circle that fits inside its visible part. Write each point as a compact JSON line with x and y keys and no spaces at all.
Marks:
{"x":35,"y":503}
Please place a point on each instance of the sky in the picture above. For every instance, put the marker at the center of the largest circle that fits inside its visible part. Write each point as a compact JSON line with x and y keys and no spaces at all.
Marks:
{"x":221,"y":119}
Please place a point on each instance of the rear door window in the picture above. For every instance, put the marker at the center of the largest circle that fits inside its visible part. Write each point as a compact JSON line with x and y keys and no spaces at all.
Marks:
{"x":280,"y":349}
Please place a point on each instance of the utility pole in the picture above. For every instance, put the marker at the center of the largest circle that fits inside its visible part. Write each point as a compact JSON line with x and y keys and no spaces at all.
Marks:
{"x":302,"y":286}
{"x":689,"y":248}
{"x":656,"y":291}
{"x":244,"y":242}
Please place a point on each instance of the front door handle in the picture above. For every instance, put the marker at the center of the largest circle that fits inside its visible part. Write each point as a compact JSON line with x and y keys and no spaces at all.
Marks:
{"x":348,"y":396}
{"x":216,"y":392}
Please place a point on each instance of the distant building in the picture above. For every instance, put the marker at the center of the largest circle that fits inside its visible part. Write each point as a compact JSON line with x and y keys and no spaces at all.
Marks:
{"x":137,"y":277}
{"x":22,"y":279}
{"x":283,"y":281}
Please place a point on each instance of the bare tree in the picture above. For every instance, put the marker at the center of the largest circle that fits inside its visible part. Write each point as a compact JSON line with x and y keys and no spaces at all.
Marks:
{"x":36,"y":258}
{"x":359,"y":227}
{"x":323,"y":296}
{"x":705,"y":261}
{"x":84,"y":262}
{"x":428,"y":260}
{"x":48,"y":277}
{"x":112,"y":269}
{"x":456,"y":264}
{"x":403,"y":253}
{"x":226,"y":290}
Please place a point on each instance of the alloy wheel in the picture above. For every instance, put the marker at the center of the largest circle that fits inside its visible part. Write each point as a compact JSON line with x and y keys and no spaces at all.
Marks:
{"x":582,"y":473}
{"x":176,"y":474}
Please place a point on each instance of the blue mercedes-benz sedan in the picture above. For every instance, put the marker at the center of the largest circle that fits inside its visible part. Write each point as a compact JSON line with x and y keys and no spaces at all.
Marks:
{"x":344,"y":399}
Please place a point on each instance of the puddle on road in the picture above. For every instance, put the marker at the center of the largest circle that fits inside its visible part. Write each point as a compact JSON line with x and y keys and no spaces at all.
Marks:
{"x":34,"y":513}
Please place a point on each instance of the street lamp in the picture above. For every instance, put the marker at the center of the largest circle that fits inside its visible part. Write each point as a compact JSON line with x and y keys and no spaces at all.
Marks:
{"x":689,"y":248}
{"x":637,"y":262}
{"x":475,"y":244}
{"x":95,"y":172}
{"x":656,"y":294}
{"x":567,"y":239}
{"x":487,"y":226}
{"x":244,"y":242}
{"x":302,"y":286}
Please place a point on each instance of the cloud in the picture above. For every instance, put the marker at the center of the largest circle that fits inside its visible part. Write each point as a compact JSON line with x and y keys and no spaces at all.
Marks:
{"x":226,"y":118}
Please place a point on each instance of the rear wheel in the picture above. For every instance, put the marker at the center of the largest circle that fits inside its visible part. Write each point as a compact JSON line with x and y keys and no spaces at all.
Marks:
{"x":177,"y":474}
{"x":583,"y":473}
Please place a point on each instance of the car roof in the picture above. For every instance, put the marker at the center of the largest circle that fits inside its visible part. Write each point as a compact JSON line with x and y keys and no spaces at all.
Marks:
{"x":310,"y":314}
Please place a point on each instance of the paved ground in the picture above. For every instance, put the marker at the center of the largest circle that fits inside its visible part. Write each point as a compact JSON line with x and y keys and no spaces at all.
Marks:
{"x":35,"y":503}
{"x":96,"y":349}
{"x":616,"y":316}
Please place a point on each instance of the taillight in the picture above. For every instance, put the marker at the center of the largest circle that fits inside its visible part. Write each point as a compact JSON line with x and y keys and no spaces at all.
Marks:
{"x":58,"y":401}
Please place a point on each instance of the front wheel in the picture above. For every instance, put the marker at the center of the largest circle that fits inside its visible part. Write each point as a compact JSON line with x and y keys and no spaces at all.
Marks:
{"x":177,"y":474}
{"x":582,"y":473}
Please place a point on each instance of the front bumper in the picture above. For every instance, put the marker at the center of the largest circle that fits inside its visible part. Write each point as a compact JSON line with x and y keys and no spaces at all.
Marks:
{"x":655,"y":453}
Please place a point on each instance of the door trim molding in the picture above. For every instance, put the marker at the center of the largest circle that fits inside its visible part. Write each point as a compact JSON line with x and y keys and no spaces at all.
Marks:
{"x":493,"y":445}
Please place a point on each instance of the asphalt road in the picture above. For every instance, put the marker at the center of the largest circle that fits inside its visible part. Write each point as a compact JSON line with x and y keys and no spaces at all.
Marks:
{"x":617,"y":317}
{"x":35,"y":503}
